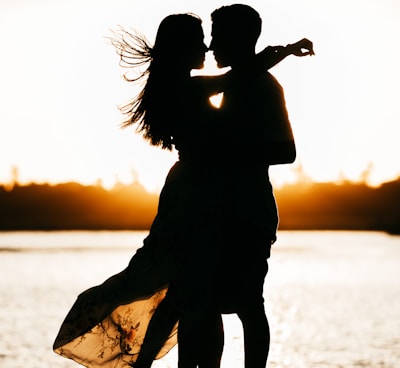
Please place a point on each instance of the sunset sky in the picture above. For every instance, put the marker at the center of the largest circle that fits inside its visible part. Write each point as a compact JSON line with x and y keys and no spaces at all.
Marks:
{"x":60,"y":87}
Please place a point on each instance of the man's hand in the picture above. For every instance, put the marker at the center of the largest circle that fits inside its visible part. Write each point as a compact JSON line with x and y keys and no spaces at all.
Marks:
{"x":303,"y":47}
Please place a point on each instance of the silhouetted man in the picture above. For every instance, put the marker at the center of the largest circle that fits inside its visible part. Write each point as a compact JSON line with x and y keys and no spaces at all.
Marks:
{"x":258,"y":135}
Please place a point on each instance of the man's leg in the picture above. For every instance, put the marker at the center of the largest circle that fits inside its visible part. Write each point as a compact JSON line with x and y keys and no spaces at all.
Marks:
{"x":200,"y":340}
{"x":251,"y":309}
{"x":161,"y":324}
{"x":256,"y":336}
{"x":200,"y":331}
{"x":213,"y":342}
{"x":245,"y":266}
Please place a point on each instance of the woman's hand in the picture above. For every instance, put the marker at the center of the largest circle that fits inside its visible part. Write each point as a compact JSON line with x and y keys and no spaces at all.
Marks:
{"x":303,"y":47}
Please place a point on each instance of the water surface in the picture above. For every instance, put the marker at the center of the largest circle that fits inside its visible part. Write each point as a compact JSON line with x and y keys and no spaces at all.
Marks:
{"x":333,"y":298}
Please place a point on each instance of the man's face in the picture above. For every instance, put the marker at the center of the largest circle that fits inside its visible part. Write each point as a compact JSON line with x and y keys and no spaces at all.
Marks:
{"x":221,"y":45}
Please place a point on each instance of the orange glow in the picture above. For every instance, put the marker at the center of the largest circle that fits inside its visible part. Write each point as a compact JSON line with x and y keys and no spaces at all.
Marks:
{"x":304,"y":205}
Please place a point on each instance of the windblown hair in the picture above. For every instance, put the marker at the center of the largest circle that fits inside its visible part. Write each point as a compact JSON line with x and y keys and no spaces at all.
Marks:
{"x":151,"y":109}
{"x":133,"y":49}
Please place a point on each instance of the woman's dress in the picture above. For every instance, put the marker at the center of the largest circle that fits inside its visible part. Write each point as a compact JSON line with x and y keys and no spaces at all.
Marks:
{"x":107,"y":323}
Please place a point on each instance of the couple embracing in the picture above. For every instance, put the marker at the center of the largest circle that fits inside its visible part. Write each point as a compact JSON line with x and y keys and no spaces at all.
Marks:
{"x":207,"y":250}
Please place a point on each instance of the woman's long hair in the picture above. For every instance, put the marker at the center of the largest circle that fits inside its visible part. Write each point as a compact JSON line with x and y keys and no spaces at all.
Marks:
{"x":153,"y":108}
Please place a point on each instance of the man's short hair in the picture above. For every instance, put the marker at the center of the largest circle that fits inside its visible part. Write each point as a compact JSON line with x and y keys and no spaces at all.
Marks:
{"x":242,"y":21}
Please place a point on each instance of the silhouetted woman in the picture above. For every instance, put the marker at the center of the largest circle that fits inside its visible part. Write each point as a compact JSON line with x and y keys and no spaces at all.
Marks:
{"x":107,"y":323}
{"x":173,"y":109}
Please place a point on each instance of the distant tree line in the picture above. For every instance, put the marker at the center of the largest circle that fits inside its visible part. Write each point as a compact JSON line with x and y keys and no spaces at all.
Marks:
{"x":346,"y":206}
{"x":74,"y":206}
{"x":302,"y":206}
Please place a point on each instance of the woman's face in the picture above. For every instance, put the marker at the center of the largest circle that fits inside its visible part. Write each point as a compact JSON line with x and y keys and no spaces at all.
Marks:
{"x":196,"y":49}
{"x":180,"y":42}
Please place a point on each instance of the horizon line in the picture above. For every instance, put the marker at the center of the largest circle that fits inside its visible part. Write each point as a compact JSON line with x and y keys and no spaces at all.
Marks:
{"x":99,"y":183}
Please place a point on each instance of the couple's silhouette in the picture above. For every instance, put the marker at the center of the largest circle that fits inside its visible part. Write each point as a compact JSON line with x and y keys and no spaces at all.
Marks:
{"x":207,"y":250}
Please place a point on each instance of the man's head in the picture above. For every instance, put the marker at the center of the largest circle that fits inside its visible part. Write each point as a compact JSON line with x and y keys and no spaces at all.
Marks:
{"x":235,"y":31}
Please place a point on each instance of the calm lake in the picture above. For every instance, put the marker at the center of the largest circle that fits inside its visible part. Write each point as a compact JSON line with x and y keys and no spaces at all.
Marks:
{"x":332,"y":298}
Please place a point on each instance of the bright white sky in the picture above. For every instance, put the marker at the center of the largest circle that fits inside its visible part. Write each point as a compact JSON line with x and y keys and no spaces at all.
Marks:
{"x":60,"y":85}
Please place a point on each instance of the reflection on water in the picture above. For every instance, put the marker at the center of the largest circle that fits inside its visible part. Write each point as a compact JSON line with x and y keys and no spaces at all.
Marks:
{"x":70,"y":240}
{"x":333,"y":298}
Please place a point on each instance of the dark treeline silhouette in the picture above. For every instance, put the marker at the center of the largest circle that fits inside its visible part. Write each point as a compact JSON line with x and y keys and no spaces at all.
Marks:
{"x":302,"y":206}
{"x":345,"y":206}
{"x":74,"y":206}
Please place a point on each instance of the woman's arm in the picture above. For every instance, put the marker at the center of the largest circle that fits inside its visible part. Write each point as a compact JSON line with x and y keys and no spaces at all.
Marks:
{"x":266,"y":59}
{"x":273,"y":55}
